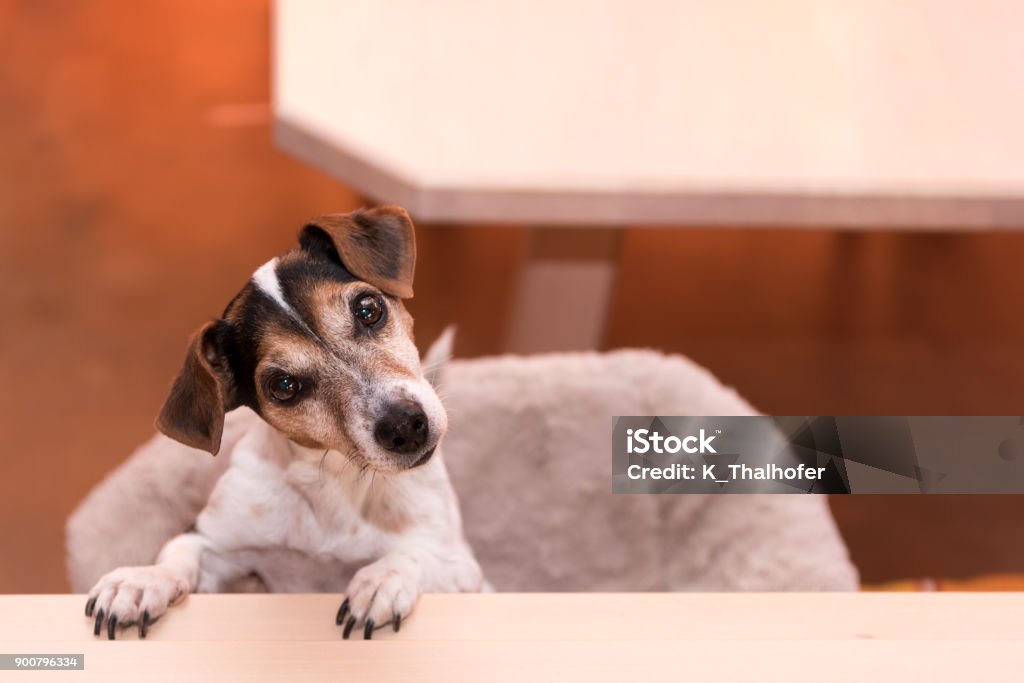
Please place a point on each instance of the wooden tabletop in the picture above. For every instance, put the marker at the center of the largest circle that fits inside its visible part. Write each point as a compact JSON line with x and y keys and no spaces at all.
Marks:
{"x":790,"y":112}
{"x":517,"y":637}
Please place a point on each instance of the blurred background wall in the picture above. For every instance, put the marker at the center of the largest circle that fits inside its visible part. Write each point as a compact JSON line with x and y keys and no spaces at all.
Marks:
{"x":139,"y":189}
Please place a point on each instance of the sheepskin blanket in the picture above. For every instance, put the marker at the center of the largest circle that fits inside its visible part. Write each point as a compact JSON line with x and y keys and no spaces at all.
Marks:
{"x":529,"y":454}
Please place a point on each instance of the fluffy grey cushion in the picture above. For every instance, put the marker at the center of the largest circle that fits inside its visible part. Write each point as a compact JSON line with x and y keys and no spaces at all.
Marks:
{"x":529,"y":453}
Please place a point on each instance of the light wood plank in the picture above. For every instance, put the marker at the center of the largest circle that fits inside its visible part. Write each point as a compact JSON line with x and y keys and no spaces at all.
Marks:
{"x":514,"y":637}
{"x":594,"y":617}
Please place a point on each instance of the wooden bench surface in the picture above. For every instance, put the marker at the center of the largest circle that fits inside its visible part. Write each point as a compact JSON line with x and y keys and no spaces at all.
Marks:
{"x":517,"y":637}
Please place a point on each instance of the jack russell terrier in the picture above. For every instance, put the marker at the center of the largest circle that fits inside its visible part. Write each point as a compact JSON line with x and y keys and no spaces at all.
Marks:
{"x":339,"y":486}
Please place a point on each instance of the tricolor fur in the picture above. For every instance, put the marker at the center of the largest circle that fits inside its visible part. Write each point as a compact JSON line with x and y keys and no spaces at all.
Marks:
{"x":340,"y":485}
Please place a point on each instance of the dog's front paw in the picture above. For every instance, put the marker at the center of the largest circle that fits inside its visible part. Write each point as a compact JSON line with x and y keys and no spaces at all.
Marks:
{"x":133,"y":595}
{"x":379,"y":594}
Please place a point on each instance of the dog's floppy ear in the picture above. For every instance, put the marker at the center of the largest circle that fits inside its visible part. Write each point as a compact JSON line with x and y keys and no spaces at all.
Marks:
{"x":376,"y":245}
{"x":194,"y":412}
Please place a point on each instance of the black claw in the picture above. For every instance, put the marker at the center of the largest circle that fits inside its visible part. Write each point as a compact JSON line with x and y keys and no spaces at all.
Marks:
{"x":342,"y":613}
{"x":348,"y":628}
{"x":368,"y":630}
{"x":144,"y":624}
{"x":89,"y":606}
{"x":99,"y":623}
{"x":397,"y":621}
{"x":112,"y":627}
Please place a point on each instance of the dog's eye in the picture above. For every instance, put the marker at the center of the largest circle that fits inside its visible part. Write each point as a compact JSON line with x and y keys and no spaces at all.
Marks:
{"x":284,"y":388}
{"x":368,"y":309}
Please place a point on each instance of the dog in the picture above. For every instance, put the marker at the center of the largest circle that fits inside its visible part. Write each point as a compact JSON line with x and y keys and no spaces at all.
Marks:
{"x":336,"y":482}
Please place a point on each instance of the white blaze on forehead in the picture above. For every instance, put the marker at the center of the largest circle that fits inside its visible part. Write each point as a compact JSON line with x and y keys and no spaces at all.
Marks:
{"x":265,"y":278}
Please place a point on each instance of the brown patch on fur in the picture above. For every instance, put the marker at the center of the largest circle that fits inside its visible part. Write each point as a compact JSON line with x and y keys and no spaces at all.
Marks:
{"x":328,"y":304}
{"x":303,"y":440}
{"x":376,"y":245}
{"x":315,"y":420}
{"x":284,"y":347}
{"x":385,"y":365}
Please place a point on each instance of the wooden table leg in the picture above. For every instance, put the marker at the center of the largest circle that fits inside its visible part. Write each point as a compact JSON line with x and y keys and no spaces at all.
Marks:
{"x":564,"y":290}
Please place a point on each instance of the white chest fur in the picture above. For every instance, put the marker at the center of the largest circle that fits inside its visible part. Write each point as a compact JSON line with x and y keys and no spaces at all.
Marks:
{"x":305,"y":520}
{"x":294,"y":517}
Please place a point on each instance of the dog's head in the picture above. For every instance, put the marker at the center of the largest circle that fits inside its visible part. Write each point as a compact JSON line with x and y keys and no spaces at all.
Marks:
{"x":319,"y":344}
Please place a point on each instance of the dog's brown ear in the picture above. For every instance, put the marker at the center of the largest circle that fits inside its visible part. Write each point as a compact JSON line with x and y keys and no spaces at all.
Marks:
{"x":376,"y":245}
{"x":194,"y":412}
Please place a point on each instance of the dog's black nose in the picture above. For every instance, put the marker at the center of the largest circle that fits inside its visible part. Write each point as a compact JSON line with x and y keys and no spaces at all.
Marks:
{"x":403,"y":428}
